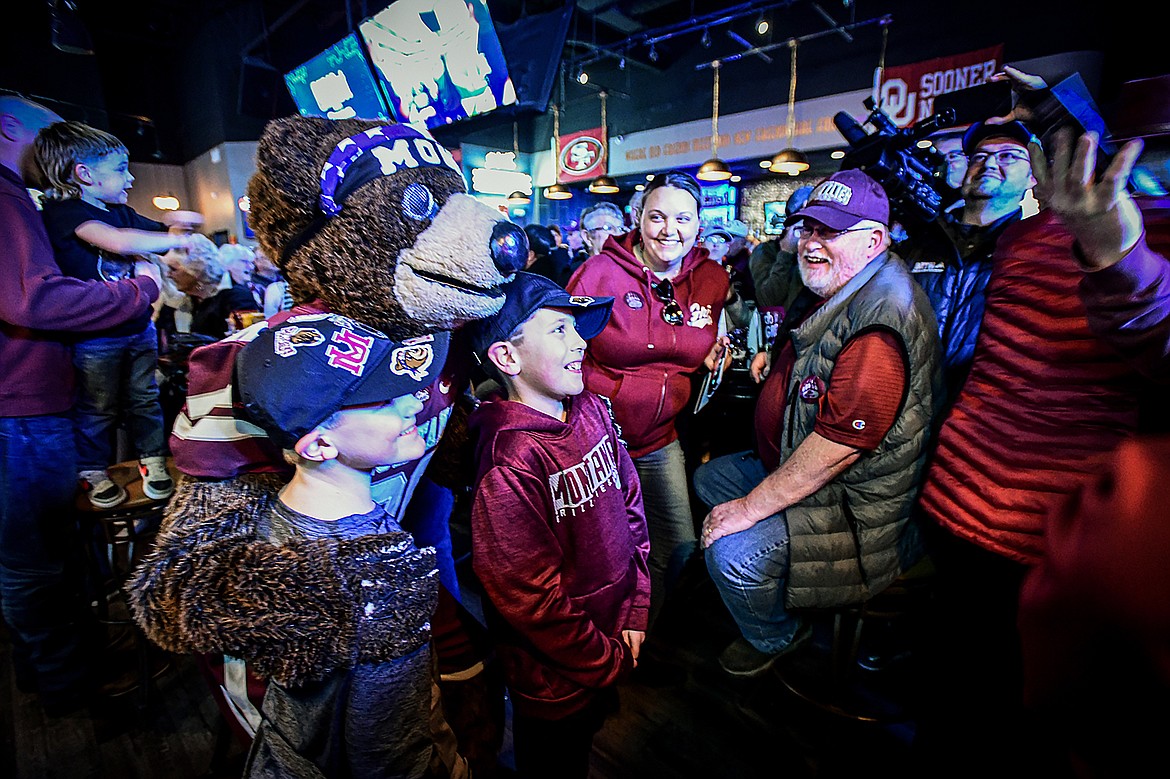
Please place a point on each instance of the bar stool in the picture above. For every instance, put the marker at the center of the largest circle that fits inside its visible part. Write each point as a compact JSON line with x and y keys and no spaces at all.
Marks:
{"x":116,"y":539}
{"x":831,"y":682}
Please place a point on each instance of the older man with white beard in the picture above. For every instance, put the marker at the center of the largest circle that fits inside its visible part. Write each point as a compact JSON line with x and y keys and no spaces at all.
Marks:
{"x":818,"y":516}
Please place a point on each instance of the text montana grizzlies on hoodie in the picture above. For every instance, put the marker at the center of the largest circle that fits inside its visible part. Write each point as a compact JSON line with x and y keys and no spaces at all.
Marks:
{"x":559,"y":543}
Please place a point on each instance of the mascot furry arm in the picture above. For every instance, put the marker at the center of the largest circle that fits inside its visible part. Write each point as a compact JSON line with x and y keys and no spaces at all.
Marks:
{"x":372,"y":223}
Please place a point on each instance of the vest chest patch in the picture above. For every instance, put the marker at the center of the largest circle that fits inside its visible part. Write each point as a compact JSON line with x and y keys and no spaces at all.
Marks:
{"x":811,"y":389}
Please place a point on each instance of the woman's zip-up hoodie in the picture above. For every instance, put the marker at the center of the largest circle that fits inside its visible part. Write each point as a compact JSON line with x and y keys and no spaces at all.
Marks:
{"x":639,"y":362}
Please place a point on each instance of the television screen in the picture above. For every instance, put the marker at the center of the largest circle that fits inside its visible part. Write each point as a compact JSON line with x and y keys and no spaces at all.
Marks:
{"x":439,"y":60}
{"x":337,"y":84}
{"x":774,"y":217}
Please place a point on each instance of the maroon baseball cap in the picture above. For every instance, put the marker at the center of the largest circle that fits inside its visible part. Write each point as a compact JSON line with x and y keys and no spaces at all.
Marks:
{"x":844,"y":199}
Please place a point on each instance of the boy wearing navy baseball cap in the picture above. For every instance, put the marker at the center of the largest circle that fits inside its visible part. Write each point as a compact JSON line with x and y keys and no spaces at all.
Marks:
{"x":340,"y":397}
{"x":558,"y":533}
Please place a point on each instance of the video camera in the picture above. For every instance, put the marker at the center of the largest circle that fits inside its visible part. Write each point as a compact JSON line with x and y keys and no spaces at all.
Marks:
{"x":913,"y":177}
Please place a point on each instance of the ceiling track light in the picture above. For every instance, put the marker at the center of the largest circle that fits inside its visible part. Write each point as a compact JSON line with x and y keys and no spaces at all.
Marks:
{"x":582,"y":76}
{"x":706,"y":39}
{"x":763,"y":25}
{"x":653,"y":55}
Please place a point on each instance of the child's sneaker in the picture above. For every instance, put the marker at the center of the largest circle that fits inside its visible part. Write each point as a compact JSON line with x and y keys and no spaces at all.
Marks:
{"x":156,"y":480}
{"x":103,"y":492}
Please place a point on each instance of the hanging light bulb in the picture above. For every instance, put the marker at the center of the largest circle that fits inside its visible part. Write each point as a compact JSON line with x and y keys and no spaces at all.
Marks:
{"x":653,"y":55}
{"x":517,"y":198}
{"x":790,"y":160}
{"x":714,"y":169}
{"x":706,"y":39}
{"x":167,"y":202}
{"x":603,"y":184}
{"x":557,"y":191}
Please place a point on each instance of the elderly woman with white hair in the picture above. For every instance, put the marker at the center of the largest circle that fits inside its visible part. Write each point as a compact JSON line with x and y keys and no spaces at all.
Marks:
{"x":197,"y":273}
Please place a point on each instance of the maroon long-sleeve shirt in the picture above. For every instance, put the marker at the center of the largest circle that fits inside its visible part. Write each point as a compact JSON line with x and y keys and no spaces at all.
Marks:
{"x":37,"y":302}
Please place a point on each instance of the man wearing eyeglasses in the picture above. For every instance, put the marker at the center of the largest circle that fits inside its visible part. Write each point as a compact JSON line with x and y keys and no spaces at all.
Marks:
{"x":819,"y":515}
{"x":599,"y":222}
{"x":998,"y":175}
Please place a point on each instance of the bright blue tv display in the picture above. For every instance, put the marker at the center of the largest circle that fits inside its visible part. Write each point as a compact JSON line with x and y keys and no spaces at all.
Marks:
{"x":439,"y":60}
{"x":337,"y":84}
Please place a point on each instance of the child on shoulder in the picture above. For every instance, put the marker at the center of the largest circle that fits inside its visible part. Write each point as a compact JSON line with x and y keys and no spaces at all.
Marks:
{"x":558,"y":532}
{"x":92,"y":231}
{"x":340,"y":398}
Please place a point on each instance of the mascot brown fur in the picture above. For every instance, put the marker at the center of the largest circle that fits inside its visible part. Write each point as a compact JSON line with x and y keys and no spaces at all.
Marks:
{"x":408,"y":252}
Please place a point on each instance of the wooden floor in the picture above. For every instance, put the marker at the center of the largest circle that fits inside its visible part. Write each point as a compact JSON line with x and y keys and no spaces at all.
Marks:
{"x":680,"y":716}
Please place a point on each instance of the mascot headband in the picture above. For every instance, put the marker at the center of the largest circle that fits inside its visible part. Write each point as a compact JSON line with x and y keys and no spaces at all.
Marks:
{"x":364,"y":157}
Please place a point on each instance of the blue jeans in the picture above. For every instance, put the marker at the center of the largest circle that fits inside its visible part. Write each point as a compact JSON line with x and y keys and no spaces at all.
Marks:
{"x":749,"y":568}
{"x":41,"y":556}
{"x":669,"y":521}
{"x":117,"y":374}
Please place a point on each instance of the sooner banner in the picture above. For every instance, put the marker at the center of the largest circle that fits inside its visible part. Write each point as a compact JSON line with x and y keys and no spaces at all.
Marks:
{"x":582,"y":156}
{"x":907,"y":92}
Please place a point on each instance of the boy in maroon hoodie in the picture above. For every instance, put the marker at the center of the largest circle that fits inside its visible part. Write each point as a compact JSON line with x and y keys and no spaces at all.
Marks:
{"x":558,"y":533}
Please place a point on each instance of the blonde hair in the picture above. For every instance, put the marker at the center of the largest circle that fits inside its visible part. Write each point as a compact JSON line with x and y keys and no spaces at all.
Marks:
{"x":62,"y":146}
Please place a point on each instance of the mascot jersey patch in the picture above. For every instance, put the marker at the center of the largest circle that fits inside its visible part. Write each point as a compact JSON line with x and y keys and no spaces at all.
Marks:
{"x":208,"y":441}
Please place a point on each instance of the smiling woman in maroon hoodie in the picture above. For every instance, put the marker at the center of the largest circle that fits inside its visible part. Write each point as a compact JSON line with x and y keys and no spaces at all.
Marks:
{"x":667,"y":302}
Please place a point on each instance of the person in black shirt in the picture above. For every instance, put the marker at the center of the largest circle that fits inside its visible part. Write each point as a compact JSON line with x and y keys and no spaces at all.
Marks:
{"x":94,"y":236}
{"x":198,"y":274}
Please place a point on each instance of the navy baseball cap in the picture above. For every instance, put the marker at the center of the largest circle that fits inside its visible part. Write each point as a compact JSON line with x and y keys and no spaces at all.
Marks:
{"x":844,"y":199}
{"x":981,"y":131}
{"x":523,"y":297}
{"x":296,"y":375}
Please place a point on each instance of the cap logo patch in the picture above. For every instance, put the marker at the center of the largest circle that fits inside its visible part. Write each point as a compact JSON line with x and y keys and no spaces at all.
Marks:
{"x":353,"y":357}
{"x":634,"y":300}
{"x":286,"y":340}
{"x":581,"y":300}
{"x":412,"y":361}
{"x":811,"y":389}
{"x":833,"y":191}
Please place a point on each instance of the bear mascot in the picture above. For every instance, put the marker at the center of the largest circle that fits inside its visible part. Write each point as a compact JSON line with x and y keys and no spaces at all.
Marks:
{"x":370,"y":222}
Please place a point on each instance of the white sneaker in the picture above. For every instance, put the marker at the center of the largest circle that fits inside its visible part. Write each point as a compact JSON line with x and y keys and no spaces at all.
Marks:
{"x":103,"y":492}
{"x":156,"y":480}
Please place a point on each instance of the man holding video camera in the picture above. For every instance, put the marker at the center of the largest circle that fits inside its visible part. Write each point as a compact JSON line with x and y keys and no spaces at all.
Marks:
{"x":955,"y":273}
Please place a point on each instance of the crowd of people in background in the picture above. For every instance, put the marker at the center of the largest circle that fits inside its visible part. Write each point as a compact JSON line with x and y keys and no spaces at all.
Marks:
{"x":946,"y":396}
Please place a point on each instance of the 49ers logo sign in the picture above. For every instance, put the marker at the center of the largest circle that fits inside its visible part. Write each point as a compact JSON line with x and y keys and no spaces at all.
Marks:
{"x":582,"y":155}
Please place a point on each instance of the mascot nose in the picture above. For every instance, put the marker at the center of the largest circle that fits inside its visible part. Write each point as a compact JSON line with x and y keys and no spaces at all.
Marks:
{"x":509,"y":247}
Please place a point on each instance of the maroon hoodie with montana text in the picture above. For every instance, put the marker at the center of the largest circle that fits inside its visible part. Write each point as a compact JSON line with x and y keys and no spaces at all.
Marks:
{"x":558,"y":541}
{"x":639,"y":361}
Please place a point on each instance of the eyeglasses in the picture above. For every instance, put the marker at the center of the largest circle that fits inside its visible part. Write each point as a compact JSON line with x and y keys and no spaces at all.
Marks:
{"x":955,"y":156}
{"x":672,"y":313}
{"x":611,"y":229}
{"x":825,"y":234}
{"x":1002,"y":158}
{"x":715,"y":239}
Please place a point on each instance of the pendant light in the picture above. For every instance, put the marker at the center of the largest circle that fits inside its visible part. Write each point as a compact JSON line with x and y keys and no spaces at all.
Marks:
{"x":790,"y":160}
{"x":603,"y":184}
{"x":557,"y":191}
{"x":714,"y":169}
{"x":517,"y":198}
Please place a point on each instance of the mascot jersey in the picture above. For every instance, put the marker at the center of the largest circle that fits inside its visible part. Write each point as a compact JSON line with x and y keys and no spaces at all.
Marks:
{"x":210,"y":441}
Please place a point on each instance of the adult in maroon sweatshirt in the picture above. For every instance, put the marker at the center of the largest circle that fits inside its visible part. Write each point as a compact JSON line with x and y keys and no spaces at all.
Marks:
{"x":38,"y":477}
{"x":667,"y":302}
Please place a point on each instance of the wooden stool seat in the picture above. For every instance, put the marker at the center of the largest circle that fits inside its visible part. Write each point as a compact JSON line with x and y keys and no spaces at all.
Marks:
{"x":126,"y":533}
